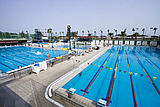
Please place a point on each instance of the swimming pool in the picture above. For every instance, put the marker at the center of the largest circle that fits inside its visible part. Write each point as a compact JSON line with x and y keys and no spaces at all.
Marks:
{"x":124,"y":76}
{"x":13,"y":57}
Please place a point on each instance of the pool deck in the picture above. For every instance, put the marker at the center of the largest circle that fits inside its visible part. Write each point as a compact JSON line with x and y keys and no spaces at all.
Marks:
{"x":77,"y":98}
{"x":29,"y":91}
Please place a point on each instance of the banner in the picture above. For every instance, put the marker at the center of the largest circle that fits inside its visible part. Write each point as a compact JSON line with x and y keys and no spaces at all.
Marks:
{"x":8,"y":41}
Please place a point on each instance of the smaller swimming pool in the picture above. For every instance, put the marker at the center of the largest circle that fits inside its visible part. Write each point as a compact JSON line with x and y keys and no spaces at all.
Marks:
{"x":14,"y":57}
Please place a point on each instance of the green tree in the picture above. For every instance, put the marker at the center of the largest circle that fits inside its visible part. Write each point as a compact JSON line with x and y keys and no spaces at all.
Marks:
{"x":123,"y":33}
{"x":101,"y":34}
{"x":115,"y":31}
{"x":88,"y":32}
{"x":82,"y":32}
{"x":155,"y":29}
{"x":110,"y":35}
{"x":59,"y":33}
{"x":94,"y":33}
{"x":133,"y":30}
{"x":143,"y":30}
{"x":108,"y":31}
{"x":22,"y":34}
{"x":56,"y":33}
{"x":63,"y":33}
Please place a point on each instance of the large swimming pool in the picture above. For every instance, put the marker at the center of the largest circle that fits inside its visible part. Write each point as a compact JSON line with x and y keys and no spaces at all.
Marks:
{"x":13,"y":57}
{"x":124,"y":76}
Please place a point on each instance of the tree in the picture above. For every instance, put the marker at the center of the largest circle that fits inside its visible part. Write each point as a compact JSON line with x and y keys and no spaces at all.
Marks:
{"x":88,"y":32}
{"x":77,"y":33}
{"x":135,"y":35}
{"x":133,"y":30}
{"x":108,"y":31}
{"x":74,"y":34}
{"x":115,"y":31}
{"x":143,"y":30}
{"x":56,"y":33}
{"x":123,"y":33}
{"x":82,"y":32}
{"x":59,"y":33}
{"x":63,"y":33}
{"x":94,"y":33}
{"x":110,"y":35}
{"x":155,"y":29}
{"x":22,"y":34}
{"x":150,"y":30}
{"x":101,"y":34}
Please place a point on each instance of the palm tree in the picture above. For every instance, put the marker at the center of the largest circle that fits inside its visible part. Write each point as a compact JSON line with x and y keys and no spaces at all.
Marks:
{"x":88,"y":32}
{"x":56,"y":33}
{"x":59,"y":33}
{"x":94,"y":33}
{"x":133,"y":30}
{"x":143,"y":30}
{"x":155,"y":29}
{"x":108,"y":31}
{"x":63,"y":33}
{"x":95,"y":36}
{"x":137,"y":28}
{"x":115,"y":31}
{"x":150,"y":30}
{"x":101,"y":34}
{"x":110,"y":35}
{"x":82,"y":32}
{"x":123,"y":34}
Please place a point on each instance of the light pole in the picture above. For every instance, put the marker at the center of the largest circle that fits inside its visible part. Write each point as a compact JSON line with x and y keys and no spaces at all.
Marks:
{"x":28,"y":38}
{"x":38,"y":37}
{"x":51,"y":37}
{"x":69,"y":32}
{"x":2,"y":35}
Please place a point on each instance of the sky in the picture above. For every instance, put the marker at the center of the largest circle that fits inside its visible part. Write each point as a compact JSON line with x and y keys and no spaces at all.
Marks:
{"x":92,"y":15}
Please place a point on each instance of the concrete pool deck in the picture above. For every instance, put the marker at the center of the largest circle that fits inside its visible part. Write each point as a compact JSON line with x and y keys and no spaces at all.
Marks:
{"x":67,"y":77}
{"x":29,"y":91}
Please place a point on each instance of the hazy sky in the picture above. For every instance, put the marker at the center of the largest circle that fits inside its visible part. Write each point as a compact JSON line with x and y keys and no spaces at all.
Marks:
{"x":18,"y":15}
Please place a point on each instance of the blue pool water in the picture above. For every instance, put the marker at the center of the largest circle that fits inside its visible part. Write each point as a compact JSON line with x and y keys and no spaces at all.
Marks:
{"x":135,"y":82}
{"x":13,"y":57}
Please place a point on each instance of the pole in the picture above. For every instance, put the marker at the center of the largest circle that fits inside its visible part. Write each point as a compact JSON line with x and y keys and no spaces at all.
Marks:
{"x":28,"y":38}
{"x":2,"y":35}
{"x":51,"y":37}
{"x":38,"y":38}
{"x":69,"y":31}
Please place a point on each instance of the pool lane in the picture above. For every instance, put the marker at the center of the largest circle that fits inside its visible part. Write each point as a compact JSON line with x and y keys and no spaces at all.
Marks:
{"x":150,"y":72}
{"x":83,"y":78}
{"x":99,"y":87}
{"x":96,"y":75}
{"x":132,"y":89}
{"x":122,"y":92}
{"x":146,"y":94}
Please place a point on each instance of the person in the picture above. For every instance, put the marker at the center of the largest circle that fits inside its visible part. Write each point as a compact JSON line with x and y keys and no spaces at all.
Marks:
{"x":48,"y":56}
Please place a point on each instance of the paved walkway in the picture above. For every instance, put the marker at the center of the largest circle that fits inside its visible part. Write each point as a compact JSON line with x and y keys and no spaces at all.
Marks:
{"x":29,"y":91}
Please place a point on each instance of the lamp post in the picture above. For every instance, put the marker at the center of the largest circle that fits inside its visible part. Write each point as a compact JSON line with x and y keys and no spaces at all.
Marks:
{"x":69,"y":32}
{"x":38,"y":37}
{"x":28,"y":38}
{"x":51,"y":37}
{"x":2,"y":35}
